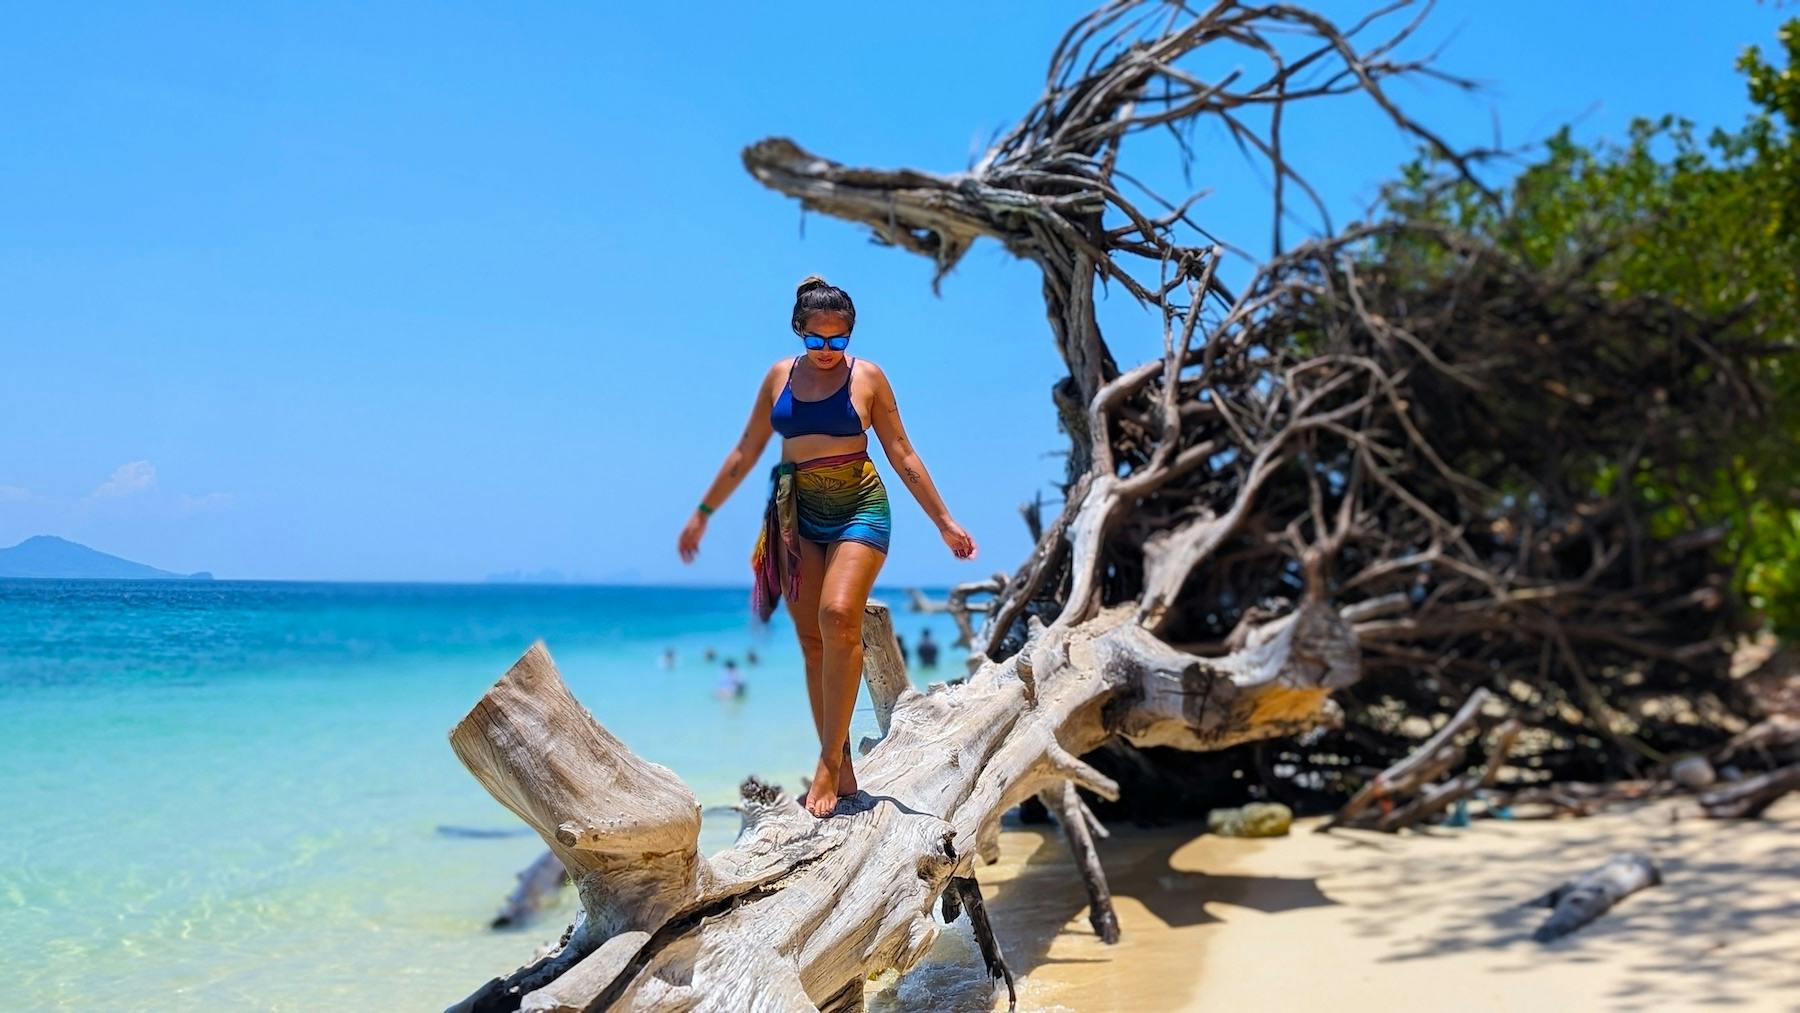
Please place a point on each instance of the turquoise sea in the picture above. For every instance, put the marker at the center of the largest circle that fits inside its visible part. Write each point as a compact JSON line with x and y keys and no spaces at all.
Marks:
{"x":229,"y":795}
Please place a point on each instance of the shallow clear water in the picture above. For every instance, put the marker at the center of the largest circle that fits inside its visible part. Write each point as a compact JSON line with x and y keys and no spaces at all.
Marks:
{"x":229,"y":794}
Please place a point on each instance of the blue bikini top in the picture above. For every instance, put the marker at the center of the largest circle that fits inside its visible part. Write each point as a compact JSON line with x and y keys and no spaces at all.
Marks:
{"x":829,"y":416}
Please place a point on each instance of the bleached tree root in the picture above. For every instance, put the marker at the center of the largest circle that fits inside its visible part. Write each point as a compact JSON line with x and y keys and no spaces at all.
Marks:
{"x":1438,"y":797}
{"x":964,"y":894}
{"x":958,"y":605}
{"x":1748,"y":799}
{"x":500,"y":994}
{"x":1593,"y":893}
{"x":1078,"y":830}
{"x":1425,"y":764}
{"x":800,"y":909}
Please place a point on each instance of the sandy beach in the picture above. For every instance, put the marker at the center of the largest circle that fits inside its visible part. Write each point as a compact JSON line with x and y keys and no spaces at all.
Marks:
{"x":1355,"y":920}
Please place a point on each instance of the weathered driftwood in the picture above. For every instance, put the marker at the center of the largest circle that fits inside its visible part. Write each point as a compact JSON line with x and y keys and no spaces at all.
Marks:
{"x":551,"y":968}
{"x":606,"y":814}
{"x":1748,"y":798}
{"x":1435,"y":756}
{"x":1589,"y":895}
{"x":803,"y":907}
{"x":883,"y":669}
{"x":538,"y":884}
{"x":958,"y":605}
{"x":1438,"y":797}
{"x":1078,"y":827}
{"x":964,"y":894}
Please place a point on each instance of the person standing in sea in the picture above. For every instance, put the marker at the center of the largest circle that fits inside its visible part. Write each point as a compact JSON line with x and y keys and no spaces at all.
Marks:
{"x":928,"y":650}
{"x":826,"y":525}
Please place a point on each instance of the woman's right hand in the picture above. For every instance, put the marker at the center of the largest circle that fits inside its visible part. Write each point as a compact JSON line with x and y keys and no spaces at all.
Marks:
{"x":689,"y":543}
{"x":961,"y":545}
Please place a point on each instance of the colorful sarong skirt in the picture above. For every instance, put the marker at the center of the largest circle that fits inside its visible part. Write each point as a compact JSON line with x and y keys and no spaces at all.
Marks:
{"x":827,"y":499}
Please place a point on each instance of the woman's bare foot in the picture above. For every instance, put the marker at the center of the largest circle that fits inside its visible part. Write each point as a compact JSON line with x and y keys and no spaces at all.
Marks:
{"x":822,"y":797}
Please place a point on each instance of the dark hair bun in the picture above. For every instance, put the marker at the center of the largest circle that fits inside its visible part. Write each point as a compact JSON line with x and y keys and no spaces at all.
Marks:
{"x":816,"y":295}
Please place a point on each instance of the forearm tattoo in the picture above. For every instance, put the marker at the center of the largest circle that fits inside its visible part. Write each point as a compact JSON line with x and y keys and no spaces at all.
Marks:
{"x":904,"y":446}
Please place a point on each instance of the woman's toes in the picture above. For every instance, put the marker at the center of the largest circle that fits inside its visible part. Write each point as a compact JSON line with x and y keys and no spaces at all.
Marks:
{"x":819,"y":804}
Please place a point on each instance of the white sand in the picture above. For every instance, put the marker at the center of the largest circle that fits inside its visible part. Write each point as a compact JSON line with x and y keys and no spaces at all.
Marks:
{"x":1360,"y":921}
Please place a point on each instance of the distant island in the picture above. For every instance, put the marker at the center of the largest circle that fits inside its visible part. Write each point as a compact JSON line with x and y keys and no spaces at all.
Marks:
{"x":50,"y":556}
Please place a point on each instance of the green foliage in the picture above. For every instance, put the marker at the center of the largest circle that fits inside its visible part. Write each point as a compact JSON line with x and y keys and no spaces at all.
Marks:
{"x":1713,"y":227}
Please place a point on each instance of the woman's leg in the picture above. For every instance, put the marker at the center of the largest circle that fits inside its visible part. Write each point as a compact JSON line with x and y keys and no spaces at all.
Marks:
{"x":850,"y":569}
{"x":805,"y":613}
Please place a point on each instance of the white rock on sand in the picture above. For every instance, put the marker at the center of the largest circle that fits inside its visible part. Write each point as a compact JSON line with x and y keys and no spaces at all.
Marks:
{"x":1356,"y":920}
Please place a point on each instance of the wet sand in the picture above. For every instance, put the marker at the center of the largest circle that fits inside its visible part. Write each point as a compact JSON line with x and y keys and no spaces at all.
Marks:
{"x":1355,"y":920}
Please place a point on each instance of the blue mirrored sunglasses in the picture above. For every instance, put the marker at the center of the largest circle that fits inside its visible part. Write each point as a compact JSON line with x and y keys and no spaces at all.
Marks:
{"x":836,"y":343}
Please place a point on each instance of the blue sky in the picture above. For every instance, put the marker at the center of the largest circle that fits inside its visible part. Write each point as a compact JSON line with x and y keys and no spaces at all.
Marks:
{"x":385,"y":291}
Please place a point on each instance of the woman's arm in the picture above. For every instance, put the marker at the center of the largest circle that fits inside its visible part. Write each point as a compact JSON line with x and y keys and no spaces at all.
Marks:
{"x":737,"y":465}
{"x":911,"y":469}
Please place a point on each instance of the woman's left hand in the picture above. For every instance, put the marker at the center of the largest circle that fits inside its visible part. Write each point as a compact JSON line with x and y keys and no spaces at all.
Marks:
{"x":961,"y":545}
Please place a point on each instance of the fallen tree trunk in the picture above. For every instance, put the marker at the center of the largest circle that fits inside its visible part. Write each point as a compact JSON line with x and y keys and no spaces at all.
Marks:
{"x":800,"y":910}
{"x":1591,"y":894}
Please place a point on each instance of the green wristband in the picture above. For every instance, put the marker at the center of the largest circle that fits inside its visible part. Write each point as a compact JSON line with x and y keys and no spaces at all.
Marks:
{"x":705,"y":509}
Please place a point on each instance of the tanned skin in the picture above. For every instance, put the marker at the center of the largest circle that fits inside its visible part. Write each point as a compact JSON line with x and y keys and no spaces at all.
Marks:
{"x":835,"y":579}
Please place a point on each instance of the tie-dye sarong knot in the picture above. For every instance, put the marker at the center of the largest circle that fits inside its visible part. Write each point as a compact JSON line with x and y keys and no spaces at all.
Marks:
{"x":826,"y":499}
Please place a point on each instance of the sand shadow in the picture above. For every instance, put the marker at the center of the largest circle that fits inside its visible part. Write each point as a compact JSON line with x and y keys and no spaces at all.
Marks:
{"x":1707,"y":921}
{"x":1037,"y":906}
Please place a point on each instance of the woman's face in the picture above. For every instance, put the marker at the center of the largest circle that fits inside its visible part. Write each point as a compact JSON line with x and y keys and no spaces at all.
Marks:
{"x":826,"y":325}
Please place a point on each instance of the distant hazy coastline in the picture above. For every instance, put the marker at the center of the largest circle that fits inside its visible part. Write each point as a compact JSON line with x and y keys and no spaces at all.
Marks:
{"x":60,"y":559}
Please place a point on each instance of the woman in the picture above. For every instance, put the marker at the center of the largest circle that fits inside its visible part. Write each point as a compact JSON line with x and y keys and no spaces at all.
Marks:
{"x":825,"y":528}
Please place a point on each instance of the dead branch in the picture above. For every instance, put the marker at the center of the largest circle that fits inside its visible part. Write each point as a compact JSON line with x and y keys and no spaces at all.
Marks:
{"x":1591,"y":894}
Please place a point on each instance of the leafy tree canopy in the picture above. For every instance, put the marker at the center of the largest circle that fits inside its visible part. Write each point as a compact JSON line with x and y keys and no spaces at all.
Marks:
{"x":1711,"y":226}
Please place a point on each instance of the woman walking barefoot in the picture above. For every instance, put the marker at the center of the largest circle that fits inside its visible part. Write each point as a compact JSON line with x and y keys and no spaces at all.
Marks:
{"x":825,"y":528}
